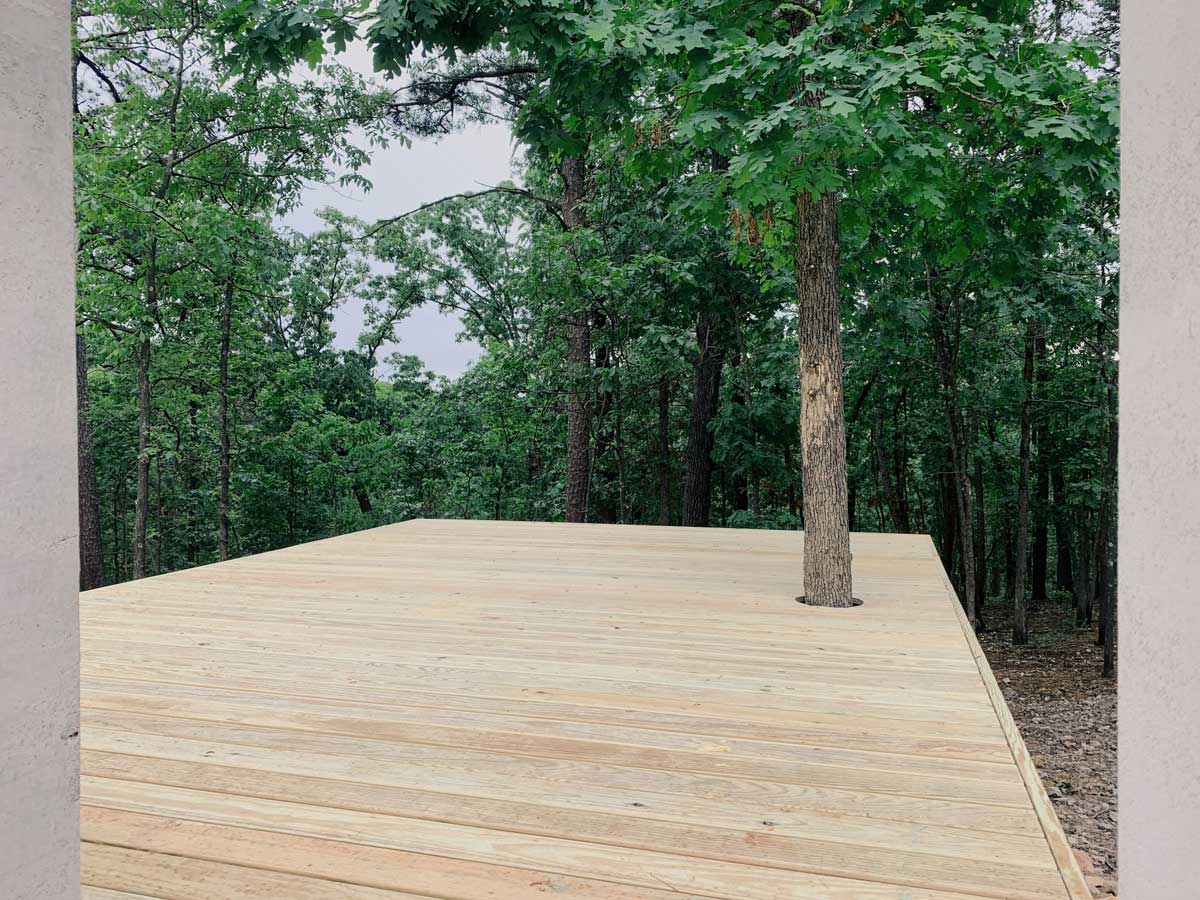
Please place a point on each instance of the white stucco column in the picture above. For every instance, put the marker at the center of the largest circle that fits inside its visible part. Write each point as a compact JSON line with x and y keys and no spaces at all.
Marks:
{"x":1159,"y":589}
{"x":39,"y":557}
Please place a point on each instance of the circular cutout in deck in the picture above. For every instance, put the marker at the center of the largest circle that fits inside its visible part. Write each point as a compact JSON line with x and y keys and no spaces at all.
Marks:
{"x":854,"y":601}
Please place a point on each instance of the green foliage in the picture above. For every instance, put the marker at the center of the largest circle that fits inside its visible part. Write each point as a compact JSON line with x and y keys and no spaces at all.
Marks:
{"x":973,"y":156}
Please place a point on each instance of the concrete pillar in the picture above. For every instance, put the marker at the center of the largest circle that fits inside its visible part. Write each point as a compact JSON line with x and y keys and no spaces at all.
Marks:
{"x":39,"y":557}
{"x":1159,"y":589}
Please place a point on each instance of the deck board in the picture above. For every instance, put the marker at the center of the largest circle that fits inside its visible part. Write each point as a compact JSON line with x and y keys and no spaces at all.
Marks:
{"x":476,"y":710}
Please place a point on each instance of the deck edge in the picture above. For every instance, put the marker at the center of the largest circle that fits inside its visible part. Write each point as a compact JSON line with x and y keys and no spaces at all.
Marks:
{"x":1060,"y":848}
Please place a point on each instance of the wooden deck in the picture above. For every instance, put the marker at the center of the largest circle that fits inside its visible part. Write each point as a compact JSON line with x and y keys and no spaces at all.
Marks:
{"x":510,"y":711}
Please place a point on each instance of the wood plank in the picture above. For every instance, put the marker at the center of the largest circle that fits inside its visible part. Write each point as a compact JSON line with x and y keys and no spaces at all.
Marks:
{"x":592,"y":815}
{"x":473,"y":710}
{"x":716,"y":877}
{"x":188,"y":878}
{"x":383,"y":868}
{"x":1009,"y":794}
{"x":516,"y":734}
{"x":854,"y":732}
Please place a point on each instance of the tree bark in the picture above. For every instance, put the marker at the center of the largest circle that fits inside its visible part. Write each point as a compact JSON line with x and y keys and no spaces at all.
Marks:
{"x":790,"y":468}
{"x":980,"y":543}
{"x":579,"y":358}
{"x":943,"y":321}
{"x":141,"y":507}
{"x":602,"y":474}
{"x":827,"y":577}
{"x":1083,"y":575}
{"x":1106,"y":550}
{"x":887,"y":485}
{"x":1064,"y":576}
{"x":224,"y":466}
{"x":1020,"y":633}
{"x":706,"y":388}
{"x":949,"y":506}
{"x":664,"y":451}
{"x":91,"y":560}
{"x":1041,"y":507}
{"x":1110,"y":632}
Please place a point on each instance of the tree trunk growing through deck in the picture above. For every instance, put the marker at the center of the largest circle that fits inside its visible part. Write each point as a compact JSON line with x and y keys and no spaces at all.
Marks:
{"x":224,"y":466}
{"x":141,"y":507}
{"x":579,"y":358}
{"x":1020,"y":633}
{"x":91,"y":561}
{"x":827,"y":580}
{"x":706,"y":389}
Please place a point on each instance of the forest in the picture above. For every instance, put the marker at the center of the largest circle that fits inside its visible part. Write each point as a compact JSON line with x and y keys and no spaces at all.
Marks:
{"x":938,"y":184}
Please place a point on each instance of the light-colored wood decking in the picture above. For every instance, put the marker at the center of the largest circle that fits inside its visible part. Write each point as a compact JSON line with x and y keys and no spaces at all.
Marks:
{"x":476,"y":710}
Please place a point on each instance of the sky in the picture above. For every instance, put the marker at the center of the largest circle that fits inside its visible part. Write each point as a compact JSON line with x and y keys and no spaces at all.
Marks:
{"x":403,"y":178}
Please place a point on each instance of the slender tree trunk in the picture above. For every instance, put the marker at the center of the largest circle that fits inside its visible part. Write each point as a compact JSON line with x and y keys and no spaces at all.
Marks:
{"x":1110,"y":632}
{"x":117,"y":516}
{"x":949,"y":505}
{"x":980,"y":543}
{"x":664,"y":451}
{"x":1083,"y":575}
{"x":1010,"y":560}
{"x":827,"y":578}
{"x":1041,"y":508}
{"x":1064,"y":575}
{"x":1020,"y":616}
{"x":1106,"y":549}
{"x":706,"y":388}
{"x":887,"y":485}
{"x":944,"y":319}
{"x":224,"y":467}
{"x":91,"y":560}
{"x":602,"y":469}
{"x":141,"y":508}
{"x":790,"y":467}
{"x":741,"y":482}
{"x":579,"y":358}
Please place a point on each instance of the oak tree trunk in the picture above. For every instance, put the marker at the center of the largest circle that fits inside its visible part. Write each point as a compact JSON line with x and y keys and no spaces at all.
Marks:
{"x":827,"y":579}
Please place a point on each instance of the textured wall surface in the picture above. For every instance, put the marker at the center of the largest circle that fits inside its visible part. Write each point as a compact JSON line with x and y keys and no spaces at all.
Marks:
{"x":1159,"y":618}
{"x":39,"y":562}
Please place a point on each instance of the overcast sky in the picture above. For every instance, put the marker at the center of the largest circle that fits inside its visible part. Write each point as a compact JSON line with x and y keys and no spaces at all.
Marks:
{"x":403,"y":178}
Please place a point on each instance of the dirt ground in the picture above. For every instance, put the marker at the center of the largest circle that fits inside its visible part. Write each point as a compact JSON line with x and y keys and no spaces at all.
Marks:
{"x":1067,"y":715}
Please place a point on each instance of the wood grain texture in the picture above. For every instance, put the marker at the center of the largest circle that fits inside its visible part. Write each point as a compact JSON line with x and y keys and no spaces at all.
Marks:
{"x":476,"y":710}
